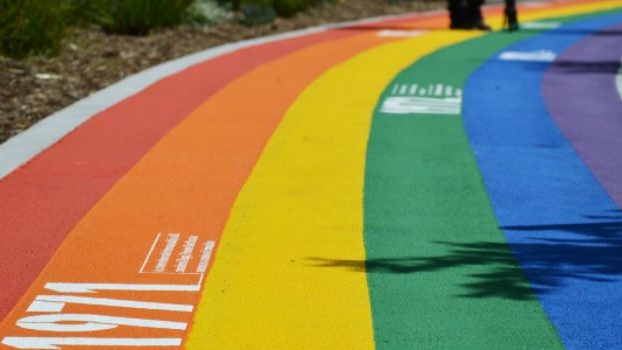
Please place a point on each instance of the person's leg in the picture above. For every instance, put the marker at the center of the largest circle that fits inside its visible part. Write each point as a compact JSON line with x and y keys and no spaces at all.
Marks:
{"x":474,"y":15}
{"x":511,"y":15}
{"x":457,"y":14}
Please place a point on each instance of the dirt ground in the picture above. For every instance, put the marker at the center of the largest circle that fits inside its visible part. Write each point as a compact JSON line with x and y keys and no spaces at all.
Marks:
{"x":90,"y":60}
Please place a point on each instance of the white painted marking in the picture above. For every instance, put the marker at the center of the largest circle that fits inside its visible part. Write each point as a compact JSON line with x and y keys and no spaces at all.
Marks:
{"x":439,"y":90}
{"x":186,"y":254}
{"x":206,"y":256}
{"x":91,"y":323}
{"x":45,"y":306}
{"x":413,"y":89}
{"x":59,"y":327}
{"x":165,"y":254}
{"x":422,"y":105}
{"x":532,"y":56}
{"x":131,"y":304}
{"x":619,"y":80}
{"x":54,"y":343}
{"x":62,"y":287}
{"x":153,"y":245}
{"x":400,"y":33}
{"x":18,"y":150}
{"x":541,"y":25}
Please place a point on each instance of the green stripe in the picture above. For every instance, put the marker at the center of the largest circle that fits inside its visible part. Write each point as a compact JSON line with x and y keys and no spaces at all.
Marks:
{"x":440,"y":273}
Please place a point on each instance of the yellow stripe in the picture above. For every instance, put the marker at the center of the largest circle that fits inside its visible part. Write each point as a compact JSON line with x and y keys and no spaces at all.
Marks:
{"x":304,"y":201}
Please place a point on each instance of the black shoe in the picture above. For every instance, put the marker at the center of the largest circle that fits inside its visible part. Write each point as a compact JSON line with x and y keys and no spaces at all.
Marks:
{"x":457,"y":14}
{"x":480,"y":25}
{"x":511,"y":20}
{"x":475,"y":19}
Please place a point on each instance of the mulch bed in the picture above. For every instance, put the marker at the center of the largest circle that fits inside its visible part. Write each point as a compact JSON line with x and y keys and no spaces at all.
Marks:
{"x":90,"y":60}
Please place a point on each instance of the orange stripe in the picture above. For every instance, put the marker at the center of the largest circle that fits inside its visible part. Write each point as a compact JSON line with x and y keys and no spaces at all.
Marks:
{"x":186,"y":184}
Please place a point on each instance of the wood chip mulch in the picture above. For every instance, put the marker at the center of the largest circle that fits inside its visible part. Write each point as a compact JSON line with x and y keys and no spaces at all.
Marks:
{"x":90,"y":60}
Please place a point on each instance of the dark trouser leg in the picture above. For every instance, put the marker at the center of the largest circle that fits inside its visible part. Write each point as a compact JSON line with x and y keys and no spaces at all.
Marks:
{"x":511,"y":15}
{"x":457,"y":14}
{"x":474,"y":14}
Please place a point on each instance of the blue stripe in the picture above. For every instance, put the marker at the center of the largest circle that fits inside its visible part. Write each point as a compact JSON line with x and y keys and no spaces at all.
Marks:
{"x":562,"y":226}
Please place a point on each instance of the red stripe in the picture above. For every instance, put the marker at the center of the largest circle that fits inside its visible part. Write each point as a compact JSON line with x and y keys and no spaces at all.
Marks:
{"x":42,"y":201}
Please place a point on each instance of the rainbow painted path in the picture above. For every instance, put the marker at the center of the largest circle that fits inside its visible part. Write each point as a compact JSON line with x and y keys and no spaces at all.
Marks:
{"x":386,"y":184}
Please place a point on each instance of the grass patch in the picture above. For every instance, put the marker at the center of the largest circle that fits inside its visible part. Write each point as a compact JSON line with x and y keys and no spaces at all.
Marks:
{"x":139,"y":17}
{"x":33,"y":27}
{"x":285,"y":8}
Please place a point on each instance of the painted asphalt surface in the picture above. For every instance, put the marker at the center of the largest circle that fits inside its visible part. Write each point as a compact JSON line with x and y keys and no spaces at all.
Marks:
{"x":386,"y":184}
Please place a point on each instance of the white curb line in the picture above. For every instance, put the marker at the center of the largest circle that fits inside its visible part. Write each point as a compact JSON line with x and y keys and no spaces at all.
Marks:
{"x":19,"y":149}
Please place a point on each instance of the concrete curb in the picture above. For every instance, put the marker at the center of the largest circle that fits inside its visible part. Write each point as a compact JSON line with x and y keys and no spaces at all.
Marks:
{"x":19,"y":149}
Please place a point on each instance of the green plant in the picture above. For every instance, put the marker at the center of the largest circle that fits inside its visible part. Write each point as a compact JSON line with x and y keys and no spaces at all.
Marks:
{"x":254,"y":14}
{"x":139,"y":17}
{"x":284,"y":8}
{"x":208,"y":12}
{"x":290,"y":7}
{"x":32,"y":26}
{"x":86,"y":12}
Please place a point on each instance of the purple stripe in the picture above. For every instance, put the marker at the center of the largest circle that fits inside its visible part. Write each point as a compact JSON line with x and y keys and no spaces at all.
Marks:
{"x":581,"y":95}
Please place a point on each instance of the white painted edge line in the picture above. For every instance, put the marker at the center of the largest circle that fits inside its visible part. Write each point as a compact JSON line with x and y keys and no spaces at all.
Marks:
{"x":19,"y":149}
{"x":619,"y":80}
{"x":153,"y":245}
{"x":542,"y":55}
{"x":392,"y":33}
